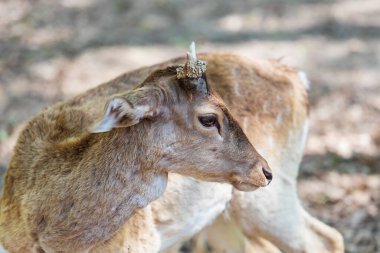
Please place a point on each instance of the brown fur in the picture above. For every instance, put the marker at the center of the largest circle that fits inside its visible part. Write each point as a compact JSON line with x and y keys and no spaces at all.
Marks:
{"x":70,"y":190}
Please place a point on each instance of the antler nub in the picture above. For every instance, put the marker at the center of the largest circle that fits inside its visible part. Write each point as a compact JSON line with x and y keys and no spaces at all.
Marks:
{"x":193,"y":68}
{"x":191,"y":53}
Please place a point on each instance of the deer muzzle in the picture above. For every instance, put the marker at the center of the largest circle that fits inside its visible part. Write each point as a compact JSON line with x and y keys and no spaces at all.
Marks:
{"x":259,"y":175}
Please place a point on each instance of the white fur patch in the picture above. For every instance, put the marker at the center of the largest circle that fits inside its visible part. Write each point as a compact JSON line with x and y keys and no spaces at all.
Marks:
{"x":305,"y":81}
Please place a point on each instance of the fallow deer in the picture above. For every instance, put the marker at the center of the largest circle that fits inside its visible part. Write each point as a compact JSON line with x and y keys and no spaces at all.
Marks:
{"x":75,"y":182}
{"x":270,"y":102}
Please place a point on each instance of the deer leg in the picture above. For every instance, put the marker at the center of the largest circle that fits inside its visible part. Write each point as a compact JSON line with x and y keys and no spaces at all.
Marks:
{"x":223,"y":235}
{"x":275,"y":214}
{"x":269,"y":220}
{"x":260,"y":245}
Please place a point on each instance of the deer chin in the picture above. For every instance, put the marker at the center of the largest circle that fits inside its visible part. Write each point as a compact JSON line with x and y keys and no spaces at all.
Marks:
{"x":245,"y":187}
{"x":248,"y":184}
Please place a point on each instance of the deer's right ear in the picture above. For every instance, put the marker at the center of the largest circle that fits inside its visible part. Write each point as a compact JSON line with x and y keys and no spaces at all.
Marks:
{"x":116,"y":114}
{"x":124,"y":112}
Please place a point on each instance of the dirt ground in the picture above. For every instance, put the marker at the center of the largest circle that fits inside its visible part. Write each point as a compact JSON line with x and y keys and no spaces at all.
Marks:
{"x":52,"y":50}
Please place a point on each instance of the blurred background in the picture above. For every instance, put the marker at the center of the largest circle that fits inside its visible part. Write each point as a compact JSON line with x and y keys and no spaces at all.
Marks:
{"x":52,"y":50}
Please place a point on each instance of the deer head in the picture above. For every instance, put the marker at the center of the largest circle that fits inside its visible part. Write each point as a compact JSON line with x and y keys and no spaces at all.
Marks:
{"x":187,"y":127}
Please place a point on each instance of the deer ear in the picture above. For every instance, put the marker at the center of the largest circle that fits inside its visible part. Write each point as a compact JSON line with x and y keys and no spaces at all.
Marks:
{"x":124,"y":111}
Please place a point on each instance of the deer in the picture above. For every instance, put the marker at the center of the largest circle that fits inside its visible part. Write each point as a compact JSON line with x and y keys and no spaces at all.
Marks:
{"x":84,"y":171}
{"x":269,"y":101}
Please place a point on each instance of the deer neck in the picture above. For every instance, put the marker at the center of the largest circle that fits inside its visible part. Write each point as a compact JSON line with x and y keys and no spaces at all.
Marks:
{"x":111,"y":178}
{"x":130,"y":161}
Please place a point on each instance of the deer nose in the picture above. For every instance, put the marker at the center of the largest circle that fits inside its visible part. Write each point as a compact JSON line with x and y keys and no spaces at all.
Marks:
{"x":267,"y":174}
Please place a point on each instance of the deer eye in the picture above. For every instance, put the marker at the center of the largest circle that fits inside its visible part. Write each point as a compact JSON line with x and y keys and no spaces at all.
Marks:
{"x":208,"y":120}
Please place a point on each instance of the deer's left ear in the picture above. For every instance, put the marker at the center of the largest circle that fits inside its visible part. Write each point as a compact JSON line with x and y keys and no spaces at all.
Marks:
{"x":128,"y":109}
